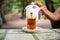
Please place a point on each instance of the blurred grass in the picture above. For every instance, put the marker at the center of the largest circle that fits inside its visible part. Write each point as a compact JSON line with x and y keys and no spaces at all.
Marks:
{"x":13,"y":14}
{"x":10,"y":16}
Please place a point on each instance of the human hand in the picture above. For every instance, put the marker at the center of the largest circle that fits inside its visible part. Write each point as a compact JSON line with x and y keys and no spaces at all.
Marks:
{"x":42,"y":7}
{"x":38,"y":4}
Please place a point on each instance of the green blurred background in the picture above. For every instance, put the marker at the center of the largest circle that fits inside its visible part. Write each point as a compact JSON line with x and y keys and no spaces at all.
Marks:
{"x":13,"y":7}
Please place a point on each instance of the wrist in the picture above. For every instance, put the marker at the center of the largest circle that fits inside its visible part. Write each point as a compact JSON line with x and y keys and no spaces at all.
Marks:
{"x":45,"y":10}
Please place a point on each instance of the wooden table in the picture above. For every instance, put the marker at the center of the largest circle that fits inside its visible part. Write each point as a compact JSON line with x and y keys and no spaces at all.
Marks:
{"x":18,"y":34}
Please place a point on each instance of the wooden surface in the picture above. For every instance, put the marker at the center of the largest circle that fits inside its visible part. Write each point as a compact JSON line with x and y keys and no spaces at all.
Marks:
{"x":18,"y":34}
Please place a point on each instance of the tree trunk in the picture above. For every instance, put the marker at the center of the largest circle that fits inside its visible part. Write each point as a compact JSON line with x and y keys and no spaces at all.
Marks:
{"x":1,"y":12}
{"x":49,"y":4}
{"x":23,"y":8}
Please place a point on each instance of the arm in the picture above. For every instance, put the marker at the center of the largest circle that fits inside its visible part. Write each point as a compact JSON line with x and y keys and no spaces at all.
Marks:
{"x":53,"y":16}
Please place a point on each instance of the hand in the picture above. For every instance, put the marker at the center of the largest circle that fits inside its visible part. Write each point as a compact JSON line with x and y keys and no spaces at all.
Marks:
{"x":42,"y":7}
{"x":38,"y":4}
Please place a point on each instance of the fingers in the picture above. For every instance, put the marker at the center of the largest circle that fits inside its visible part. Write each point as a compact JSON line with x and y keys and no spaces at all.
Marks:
{"x":38,"y":4}
{"x":42,"y":7}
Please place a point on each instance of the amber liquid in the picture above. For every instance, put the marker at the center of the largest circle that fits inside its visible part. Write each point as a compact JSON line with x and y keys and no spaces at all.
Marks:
{"x":31,"y":23}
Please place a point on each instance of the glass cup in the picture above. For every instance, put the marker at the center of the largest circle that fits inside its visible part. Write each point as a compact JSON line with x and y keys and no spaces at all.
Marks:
{"x":31,"y":23}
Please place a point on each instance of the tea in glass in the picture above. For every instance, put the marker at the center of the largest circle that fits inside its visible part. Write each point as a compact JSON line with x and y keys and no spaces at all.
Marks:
{"x":31,"y":23}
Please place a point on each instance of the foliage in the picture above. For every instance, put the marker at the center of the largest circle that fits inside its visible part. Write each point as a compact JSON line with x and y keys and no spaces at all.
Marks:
{"x":10,"y":5}
{"x":14,"y":6}
{"x":42,"y":1}
{"x":56,"y":3}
